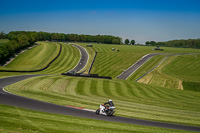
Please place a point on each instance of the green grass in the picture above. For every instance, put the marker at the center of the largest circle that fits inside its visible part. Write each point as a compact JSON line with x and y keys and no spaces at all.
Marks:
{"x":192,"y":86}
{"x":36,"y":58}
{"x":67,"y":60}
{"x":112,"y":63}
{"x":180,"y":72}
{"x":153,"y":102}
{"x":185,"y":67}
{"x":146,"y":67}
{"x":131,"y":99}
{"x":14,"y":119}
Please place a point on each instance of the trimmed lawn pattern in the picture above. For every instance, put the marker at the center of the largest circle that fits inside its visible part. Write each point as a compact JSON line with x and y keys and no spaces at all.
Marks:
{"x":131,"y":99}
{"x":180,"y":72}
{"x":152,"y":101}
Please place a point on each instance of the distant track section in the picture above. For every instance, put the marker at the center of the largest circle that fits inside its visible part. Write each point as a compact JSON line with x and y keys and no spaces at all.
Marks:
{"x":83,"y":61}
{"x":128,"y":72}
{"x":162,"y":62}
{"x":38,"y":69}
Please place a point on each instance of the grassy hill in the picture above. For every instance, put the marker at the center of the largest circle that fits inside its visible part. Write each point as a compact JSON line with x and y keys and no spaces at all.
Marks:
{"x":181,"y":72}
{"x":132,"y":99}
{"x":112,"y":63}
{"x":41,"y":55}
{"x":67,"y":60}
{"x":36,"y":58}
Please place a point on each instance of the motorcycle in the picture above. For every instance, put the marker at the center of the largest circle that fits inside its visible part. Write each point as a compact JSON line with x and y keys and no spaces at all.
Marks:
{"x":105,"y":110}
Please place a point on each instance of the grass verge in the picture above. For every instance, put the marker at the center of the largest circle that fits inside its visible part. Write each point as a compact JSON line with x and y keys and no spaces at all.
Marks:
{"x":14,"y":119}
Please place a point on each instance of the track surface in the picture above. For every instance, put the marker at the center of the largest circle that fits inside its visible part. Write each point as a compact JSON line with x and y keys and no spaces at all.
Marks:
{"x":23,"y":102}
{"x":135,"y":66}
{"x":83,"y":61}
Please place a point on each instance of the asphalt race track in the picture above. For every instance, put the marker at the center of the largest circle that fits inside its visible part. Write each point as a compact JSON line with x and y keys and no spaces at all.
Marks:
{"x":23,"y":102}
{"x":135,"y":66}
{"x":83,"y":60}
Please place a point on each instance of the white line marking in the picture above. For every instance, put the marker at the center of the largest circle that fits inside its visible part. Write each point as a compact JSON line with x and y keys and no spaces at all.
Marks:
{"x":10,"y":92}
{"x":89,"y":110}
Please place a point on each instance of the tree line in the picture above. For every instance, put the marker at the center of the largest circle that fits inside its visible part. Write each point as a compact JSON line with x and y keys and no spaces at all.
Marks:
{"x":22,"y":39}
{"x":189,"y":43}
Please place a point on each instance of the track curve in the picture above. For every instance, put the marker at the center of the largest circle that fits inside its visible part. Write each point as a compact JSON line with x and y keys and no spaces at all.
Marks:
{"x":83,"y":61}
{"x":23,"y":102}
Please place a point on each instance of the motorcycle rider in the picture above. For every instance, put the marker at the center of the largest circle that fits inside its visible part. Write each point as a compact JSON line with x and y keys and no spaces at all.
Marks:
{"x":110,"y":103}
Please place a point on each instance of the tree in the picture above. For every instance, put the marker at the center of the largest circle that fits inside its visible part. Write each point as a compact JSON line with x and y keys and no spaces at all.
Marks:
{"x":147,"y":43}
{"x":132,"y":42}
{"x":115,"y":41}
{"x":23,"y":40}
{"x":127,"y":41}
{"x":152,"y":43}
{"x":2,"y":35}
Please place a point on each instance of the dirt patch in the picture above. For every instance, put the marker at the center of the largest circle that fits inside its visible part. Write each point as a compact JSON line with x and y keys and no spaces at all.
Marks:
{"x":146,"y":79}
{"x":180,"y":85}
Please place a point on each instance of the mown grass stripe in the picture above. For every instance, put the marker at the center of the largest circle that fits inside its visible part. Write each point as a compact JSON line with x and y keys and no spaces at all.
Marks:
{"x":100,"y":88}
{"x":113,"y":89}
{"x":36,"y":58}
{"x":93,"y":87}
{"x":79,"y":89}
{"x":130,"y":90}
{"x":58,"y":63}
{"x":68,"y":59}
{"x":71,"y":87}
{"x":86,"y":87}
{"x":106,"y":87}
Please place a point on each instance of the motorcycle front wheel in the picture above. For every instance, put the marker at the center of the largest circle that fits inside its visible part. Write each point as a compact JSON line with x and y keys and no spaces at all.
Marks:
{"x":97,"y":111}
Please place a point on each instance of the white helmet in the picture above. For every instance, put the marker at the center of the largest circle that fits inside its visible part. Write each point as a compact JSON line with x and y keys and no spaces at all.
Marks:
{"x":110,"y":100}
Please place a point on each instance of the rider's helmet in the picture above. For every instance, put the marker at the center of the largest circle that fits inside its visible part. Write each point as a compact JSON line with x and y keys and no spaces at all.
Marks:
{"x":110,"y":100}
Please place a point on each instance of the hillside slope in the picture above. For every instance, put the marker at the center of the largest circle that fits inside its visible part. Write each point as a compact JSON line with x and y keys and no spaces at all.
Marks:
{"x":181,"y":72}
